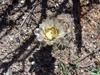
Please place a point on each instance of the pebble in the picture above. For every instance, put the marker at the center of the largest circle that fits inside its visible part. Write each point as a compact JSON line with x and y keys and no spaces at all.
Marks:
{"x":24,"y":17}
{"x":56,"y":68}
{"x":91,"y":45}
{"x":7,"y":73}
{"x":22,"y":1}
{"x":83,"y":26}
{"x":33,"y":63}
{"x":11,"y":38}
{"x":56,"y":5}
{"x":25,"y":73}
{"x":25,"y":30}
{"x":92,"y":36}
{"x":28,"y":47}
{"x":95,"y":46}
{"x":73,"y":27}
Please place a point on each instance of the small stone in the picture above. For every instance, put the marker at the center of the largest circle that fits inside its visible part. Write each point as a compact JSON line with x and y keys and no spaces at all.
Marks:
{"x":25,"y":73}
{"x":56,"y":5}
{"x":28,"y":48}
{"x":92,"y":36}
{"x":10,"y":47}
{"x":7,"y":73}
{"x":73,"y":27}
{"x":95,"y":46}
{"x":56,"y":68}
{"x":83,"y":26}
{"x":82,"y":70}
{"x":91,"y":45}
{"x":11,"y":38}
{"x":22,"y":1}
{"x":66,"y":62}
{"x":33,"y":62}
{"x":25,"y":30}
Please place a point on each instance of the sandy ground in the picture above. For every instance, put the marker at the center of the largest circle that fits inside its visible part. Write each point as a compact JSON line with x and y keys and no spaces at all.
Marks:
{"x":24,"y":56}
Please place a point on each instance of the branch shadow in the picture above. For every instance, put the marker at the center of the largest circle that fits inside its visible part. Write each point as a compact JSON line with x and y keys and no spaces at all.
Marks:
{"x":22,"y":49}
{"x":43,"y":11}
{"x":44,"y":62}
{"x":77,"y":9}
{"x":78,"y":28}
{"x":5,"y":21}
{"x":49,"y":63}
{"x":5,"y":14}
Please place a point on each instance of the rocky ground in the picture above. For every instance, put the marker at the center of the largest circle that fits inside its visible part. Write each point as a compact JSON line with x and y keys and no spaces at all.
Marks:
{"x":22,"y":54}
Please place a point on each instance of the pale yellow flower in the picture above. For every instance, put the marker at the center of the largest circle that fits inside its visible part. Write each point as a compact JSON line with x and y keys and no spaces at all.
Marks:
{"x":50,"y":31}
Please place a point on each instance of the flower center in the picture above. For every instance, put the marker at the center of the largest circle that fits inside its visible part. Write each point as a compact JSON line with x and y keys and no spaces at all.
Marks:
{"x":51,"y":33}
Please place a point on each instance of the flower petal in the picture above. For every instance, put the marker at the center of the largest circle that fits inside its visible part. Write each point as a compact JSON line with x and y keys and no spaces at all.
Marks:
{"x":42,"y":33}
{"x":62,"y":34}
{"x":40,"y":38}
{"x":50,"y":31}
{"x":49,"y":42}
{"x":57,"y":24}
{"x":37,"y":31}
{"x":56,"y":21}
{"x":47,"y":20}
{"x":51,"y":23}
{"x":43,"y":25}
{"x":57,"y":40}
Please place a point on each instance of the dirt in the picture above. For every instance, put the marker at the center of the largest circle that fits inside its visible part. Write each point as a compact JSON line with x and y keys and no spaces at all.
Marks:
{"x":22,"y":54}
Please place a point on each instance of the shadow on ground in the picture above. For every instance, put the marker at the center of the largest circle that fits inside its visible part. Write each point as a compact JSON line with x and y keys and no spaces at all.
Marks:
{"x":43,"y":62}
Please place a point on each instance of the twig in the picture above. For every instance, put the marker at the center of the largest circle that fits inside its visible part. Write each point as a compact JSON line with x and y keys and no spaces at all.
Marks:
{"x":92,"y":20}
{"x":98,"y":49}
{"x":87,"y":65}
{"x":27,"y":17}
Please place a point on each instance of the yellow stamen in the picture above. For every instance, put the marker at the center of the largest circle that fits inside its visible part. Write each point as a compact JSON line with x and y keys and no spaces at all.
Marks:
{"x":51,"y":33}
